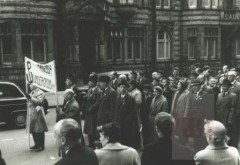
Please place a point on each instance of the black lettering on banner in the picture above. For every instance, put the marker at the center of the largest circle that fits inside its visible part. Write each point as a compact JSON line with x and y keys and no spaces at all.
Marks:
{"x":29,"y":76}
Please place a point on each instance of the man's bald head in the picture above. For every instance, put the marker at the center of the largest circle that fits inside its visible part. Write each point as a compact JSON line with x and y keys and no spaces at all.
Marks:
{"x":215,"y":132}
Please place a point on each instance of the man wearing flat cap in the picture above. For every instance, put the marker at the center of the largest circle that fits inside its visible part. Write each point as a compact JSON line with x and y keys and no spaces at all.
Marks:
{"x":231,"y":76}
{"x":106,"y":102}
{"x":226,"y":107}
{"x":91,"y":109}
{"x":126,"y":116}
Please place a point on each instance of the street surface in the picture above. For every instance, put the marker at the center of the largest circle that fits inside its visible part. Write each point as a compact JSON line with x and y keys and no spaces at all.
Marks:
{"x":14,"y":143}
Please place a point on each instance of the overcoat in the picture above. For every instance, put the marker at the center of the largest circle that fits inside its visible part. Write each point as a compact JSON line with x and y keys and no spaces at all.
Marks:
{"x":159,"y":104}
{"x":226,"y":107}
{"x":71,"y":110}
{"x":217,"y":155}
{"x":106,"y":106}
{"x":117,"y":154}
{"x":91,"y":110}
{"x":179,"y":106}
{"x":168,"y":94}
{"x":37,"y":116}
{"x":126,"y":118}
{"x":79,"y":155}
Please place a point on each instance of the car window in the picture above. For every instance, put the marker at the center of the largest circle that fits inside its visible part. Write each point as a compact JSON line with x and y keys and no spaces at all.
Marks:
{"x":9,"y":91}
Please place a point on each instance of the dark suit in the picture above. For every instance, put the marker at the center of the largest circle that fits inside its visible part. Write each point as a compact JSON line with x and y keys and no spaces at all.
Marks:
{"x":126,"y":117}
{"x":91,"y":111}
{"x":71,"y":110}
{"x":166,"y":152}
{"x":145,"y":115}
{"x":236,"y":89}
{"x":106,"y":106}
{"x":79,"y":155}
{"x":168,"y":94}
{"x":226,"y":109}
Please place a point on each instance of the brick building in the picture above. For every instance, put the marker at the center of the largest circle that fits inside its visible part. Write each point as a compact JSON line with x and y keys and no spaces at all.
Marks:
{"x":100,"y":35}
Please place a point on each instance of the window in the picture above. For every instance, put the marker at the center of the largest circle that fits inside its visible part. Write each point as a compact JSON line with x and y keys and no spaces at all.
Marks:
{"x":163,"y":45}
{"x":9,"y":91}
{"x":135,"y":43}
{"x":6,"y":44}
{"x":163,"y":4}
{"x":115,"y":44}
{"x":192,"y":4}
{"x":210,"y":4}
{"x":34,"y":44}
{"x":126,"y":1}
{"x":192,"y":41}
{"x":210,"y":42}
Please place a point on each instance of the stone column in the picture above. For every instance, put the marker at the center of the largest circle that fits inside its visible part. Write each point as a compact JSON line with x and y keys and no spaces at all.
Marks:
{"x":17,"y":42}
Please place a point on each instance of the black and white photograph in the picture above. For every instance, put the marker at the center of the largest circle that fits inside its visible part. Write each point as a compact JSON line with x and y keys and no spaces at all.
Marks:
{"x":119,"y":82}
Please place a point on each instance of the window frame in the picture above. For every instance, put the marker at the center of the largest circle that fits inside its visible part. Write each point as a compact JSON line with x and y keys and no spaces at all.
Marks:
{"x":3,"y":35}
{"x":192,"y":6}
{"x":135,"y":35}
{"x":33,"y":37}
{"x":207,"y":42}
{"x":166,"y":46}
{"x":161,"y":4}
{"x":112,"y":38}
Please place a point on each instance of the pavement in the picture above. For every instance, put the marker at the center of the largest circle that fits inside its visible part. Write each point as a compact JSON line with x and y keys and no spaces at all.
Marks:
{"x":54,"y":99}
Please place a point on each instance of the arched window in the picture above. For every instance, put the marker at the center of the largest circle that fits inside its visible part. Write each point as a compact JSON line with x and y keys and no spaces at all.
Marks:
{"x":163,"y":45}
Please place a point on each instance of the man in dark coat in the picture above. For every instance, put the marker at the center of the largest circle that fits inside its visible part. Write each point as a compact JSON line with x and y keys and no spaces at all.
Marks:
{"x":91,"y":109}
{"x":165,"y":151}
{"x":70,"y":109}
{"x":106,"y":102}
{"x":126,"y":116}
{"x":200,"y":107}
{"x":167,"y":93}
{"x":226,"y":108}
{"x":231,"y":75}
{"x":67,"y":134}
{"x":145,"y":112}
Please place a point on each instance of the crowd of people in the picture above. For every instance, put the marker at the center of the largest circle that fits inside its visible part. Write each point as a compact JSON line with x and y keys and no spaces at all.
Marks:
{"x":140,"y":119}
{"x":133,"y":101}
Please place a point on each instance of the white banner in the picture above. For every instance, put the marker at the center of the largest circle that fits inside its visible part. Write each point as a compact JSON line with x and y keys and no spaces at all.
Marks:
{"x":41,"y":75}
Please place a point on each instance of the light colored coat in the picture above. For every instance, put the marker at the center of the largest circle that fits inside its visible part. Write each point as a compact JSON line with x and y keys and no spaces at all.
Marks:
{"x":217,"y":156}
{"x":117,"y":154}
{"x":37,"y":116}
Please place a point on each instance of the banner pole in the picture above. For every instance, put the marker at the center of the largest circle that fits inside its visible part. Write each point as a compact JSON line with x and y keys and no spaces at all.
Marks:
{"x":56,"y":84}
{"x":28,"y":113}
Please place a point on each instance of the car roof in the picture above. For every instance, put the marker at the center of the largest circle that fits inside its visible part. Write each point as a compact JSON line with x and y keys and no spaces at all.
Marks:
{"x":118,"y":72}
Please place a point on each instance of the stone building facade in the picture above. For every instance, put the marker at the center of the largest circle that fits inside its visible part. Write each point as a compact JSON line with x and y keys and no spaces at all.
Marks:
{"x":102,"y":35}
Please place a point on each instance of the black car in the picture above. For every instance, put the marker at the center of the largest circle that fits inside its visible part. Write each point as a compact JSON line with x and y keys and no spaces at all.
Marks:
{"x":13,"y":104}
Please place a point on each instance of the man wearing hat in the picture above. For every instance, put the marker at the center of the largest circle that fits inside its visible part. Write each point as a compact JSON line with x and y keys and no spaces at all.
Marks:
{"x":106,"y":102}
{"x":91,"y":109}
{"x":126,"y":116}
{"x":114,"y":78}
{"x":200,"y":106}
{"x":231,"y":76}
{"x":133,"y":75}
{"x":226,"y":107}
{"x":145,"y":111}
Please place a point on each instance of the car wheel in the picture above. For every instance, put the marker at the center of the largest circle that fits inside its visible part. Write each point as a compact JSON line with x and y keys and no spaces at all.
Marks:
{"x":19,"y":120}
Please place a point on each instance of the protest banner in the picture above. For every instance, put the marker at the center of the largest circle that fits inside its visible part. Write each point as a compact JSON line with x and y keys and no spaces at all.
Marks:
{"x":41,"y":75}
